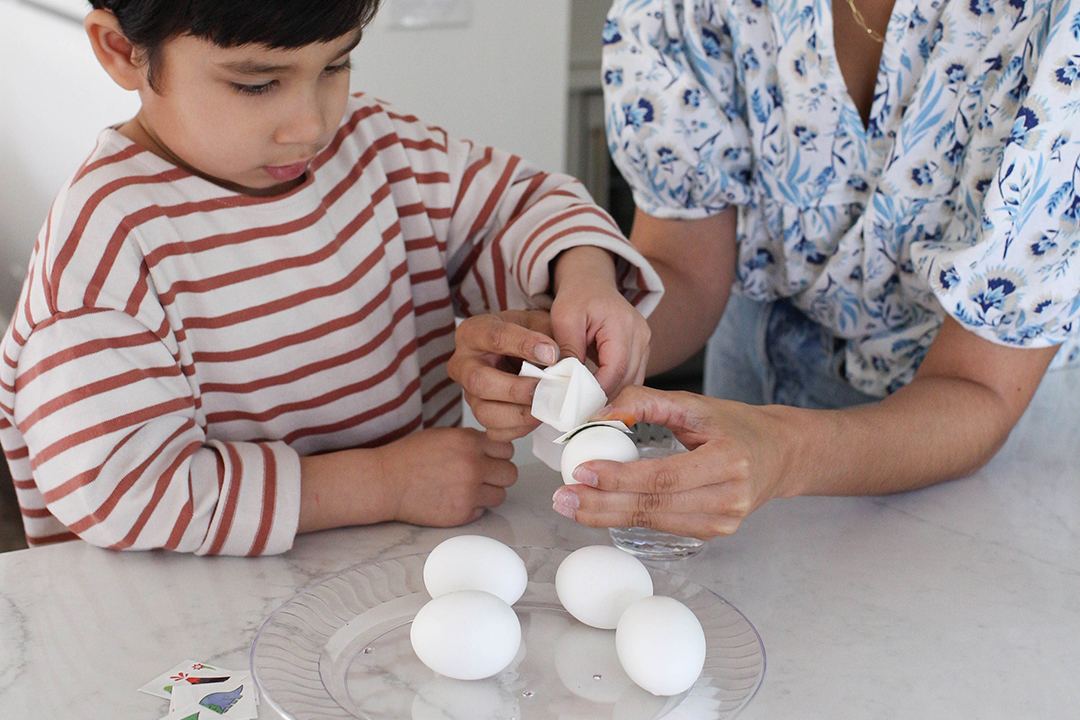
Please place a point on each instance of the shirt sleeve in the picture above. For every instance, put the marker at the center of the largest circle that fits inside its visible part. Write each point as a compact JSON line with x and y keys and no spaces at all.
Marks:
{"x":674,"y":114}
{"x":119,"y":451}
{"x":1011,"y":274}
{"x":507,"y":220}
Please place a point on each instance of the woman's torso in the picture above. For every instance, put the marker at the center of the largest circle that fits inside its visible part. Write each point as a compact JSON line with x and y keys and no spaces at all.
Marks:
{"x":854,"y":223}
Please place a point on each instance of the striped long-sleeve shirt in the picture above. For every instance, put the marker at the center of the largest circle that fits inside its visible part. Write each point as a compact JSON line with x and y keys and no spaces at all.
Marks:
{"x":178,"y":346}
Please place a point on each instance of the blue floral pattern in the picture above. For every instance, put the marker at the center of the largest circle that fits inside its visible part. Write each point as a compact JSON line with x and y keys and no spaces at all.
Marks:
{"x":961,"y":195}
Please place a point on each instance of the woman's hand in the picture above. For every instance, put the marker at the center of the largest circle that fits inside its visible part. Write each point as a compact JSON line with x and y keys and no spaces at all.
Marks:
{"x":736,"y":463}
{"x":589,"y":317}
{"x":487,"y":356}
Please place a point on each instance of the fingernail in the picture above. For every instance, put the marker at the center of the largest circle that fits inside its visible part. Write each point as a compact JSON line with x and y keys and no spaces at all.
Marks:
{"x":563,"y":510}
{"x":546,"y":354}
{"x":565,"y":502}
{"x":585,"y":476}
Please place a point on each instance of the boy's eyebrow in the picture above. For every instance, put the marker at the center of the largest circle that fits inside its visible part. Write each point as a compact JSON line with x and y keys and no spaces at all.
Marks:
{"x":253,"y":67}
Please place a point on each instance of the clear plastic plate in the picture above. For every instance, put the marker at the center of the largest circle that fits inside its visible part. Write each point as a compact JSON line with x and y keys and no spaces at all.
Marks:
{"x":340,"y":649}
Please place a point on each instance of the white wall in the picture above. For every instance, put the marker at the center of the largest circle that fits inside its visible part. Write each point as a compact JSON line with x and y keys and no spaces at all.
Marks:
{"x":501,"y":80}
{"x":58,"y":98}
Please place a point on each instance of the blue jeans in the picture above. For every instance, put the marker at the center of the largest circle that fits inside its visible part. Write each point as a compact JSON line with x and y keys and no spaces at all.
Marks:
{"x":771,"y":353}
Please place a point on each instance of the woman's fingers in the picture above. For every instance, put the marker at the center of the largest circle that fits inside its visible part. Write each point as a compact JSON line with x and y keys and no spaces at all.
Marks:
{"x":504,"y":421}
{"x":699,"y":525}
{"x":536,"y":320}
{"x":502,"y":336}
{"x":671,"y":409}
{"x":484,"y":382}
{"x":672,"y":474}
{"x":722,"y":499}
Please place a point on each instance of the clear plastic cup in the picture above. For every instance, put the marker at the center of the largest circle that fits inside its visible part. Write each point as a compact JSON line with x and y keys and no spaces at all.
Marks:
{"x":654,"y":441}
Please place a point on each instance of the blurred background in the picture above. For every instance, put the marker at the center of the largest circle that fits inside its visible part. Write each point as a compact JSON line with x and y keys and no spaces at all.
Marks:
{"x":522,"y":75}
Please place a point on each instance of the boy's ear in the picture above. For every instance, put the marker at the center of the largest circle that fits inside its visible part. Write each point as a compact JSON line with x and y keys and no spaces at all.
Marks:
{"x":113,"y":50}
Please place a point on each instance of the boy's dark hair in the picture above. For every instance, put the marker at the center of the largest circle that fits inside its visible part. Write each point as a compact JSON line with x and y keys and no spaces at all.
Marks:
{"x":231,"y":23}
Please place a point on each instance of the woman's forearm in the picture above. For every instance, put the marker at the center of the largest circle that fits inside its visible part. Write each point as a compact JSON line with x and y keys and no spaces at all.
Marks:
{"x":948,"y":422}
{"x":933,"y":430}
{"x":685,"y":318}
{"x":696,"y":261}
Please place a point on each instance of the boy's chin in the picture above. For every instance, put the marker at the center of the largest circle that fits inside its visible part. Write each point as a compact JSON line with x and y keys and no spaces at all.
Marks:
{"x":258,"y":183}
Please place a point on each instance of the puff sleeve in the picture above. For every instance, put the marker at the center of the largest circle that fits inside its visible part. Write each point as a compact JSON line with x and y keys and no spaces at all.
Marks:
{"x":674,"y":114}
{"x":1013,"y":277}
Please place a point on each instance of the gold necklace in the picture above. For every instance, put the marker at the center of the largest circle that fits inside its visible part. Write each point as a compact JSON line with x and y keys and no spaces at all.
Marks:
{"x":874,"y":35}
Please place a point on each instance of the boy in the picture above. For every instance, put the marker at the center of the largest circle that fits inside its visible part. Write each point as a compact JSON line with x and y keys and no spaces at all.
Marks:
{"x":239,"y":312}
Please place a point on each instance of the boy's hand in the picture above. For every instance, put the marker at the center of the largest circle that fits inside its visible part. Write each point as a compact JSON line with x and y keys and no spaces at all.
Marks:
{"x":590,"y":317}
{"x":488,"y":354}
{"x":442,"y":477}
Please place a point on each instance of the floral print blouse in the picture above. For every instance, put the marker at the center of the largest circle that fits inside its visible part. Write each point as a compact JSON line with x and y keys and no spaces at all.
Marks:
{"x":960,"y":196}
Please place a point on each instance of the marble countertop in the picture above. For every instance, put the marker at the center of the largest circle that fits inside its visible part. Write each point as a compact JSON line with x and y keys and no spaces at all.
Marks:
{"x":962,"y":600}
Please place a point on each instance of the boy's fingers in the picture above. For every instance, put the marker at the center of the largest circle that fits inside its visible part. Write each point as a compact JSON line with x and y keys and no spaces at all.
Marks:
{"x":499,"y":473}
{"x":489,"y":496}
{"x":497,"y":449}
{"x":639,"y":372}
{"x":569,"y":330}
{"x":614,"y":366}
{"x":487,"y":383}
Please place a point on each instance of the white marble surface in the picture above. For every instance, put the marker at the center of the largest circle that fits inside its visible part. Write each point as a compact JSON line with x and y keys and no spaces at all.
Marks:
{"x":962,"y":600}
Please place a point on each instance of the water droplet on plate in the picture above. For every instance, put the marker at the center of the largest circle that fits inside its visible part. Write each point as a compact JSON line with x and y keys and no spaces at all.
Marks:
{"x":527,"y":693}
{"x":369,"y":650}
{"x":597,"y":676}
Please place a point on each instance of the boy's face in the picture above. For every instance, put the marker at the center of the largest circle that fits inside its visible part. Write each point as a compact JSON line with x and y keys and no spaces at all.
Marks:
{"x":250,"y":117}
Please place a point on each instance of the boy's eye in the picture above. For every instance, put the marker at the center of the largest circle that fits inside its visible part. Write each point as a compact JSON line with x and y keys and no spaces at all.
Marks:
{"x":334,"y":69}
{"x":254,"y":89}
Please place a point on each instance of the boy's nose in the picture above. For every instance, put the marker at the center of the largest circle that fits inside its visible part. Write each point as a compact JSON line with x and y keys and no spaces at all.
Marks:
{"x":304,"y":127}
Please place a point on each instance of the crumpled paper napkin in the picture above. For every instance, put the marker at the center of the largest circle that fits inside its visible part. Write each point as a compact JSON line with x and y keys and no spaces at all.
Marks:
{"x":566,"y":397}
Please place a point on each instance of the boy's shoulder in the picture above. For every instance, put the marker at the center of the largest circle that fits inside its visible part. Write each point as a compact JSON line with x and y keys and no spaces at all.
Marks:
{"x":376,"y":123}
{"x":93,"y":215}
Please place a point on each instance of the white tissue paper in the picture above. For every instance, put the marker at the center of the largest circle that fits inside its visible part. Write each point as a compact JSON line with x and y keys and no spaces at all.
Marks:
{"x":567,"y":395}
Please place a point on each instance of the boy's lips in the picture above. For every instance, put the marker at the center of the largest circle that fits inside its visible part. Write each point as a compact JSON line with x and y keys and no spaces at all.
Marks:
{"x":284,"y":173}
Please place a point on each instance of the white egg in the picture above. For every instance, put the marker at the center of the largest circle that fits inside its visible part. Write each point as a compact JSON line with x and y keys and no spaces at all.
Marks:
{"x":466,"y":635}
{"x":474,"y":562}
{"x":597,"y":583}
{"x":661,"y":645}
{"x":599,"y":442}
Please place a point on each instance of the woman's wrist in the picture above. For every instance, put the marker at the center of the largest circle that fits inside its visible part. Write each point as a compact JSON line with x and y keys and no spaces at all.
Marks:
{"x":797,"y":434}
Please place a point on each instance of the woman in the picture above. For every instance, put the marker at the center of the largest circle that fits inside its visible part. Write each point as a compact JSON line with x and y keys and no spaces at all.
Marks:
{"x":893,"y":193}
